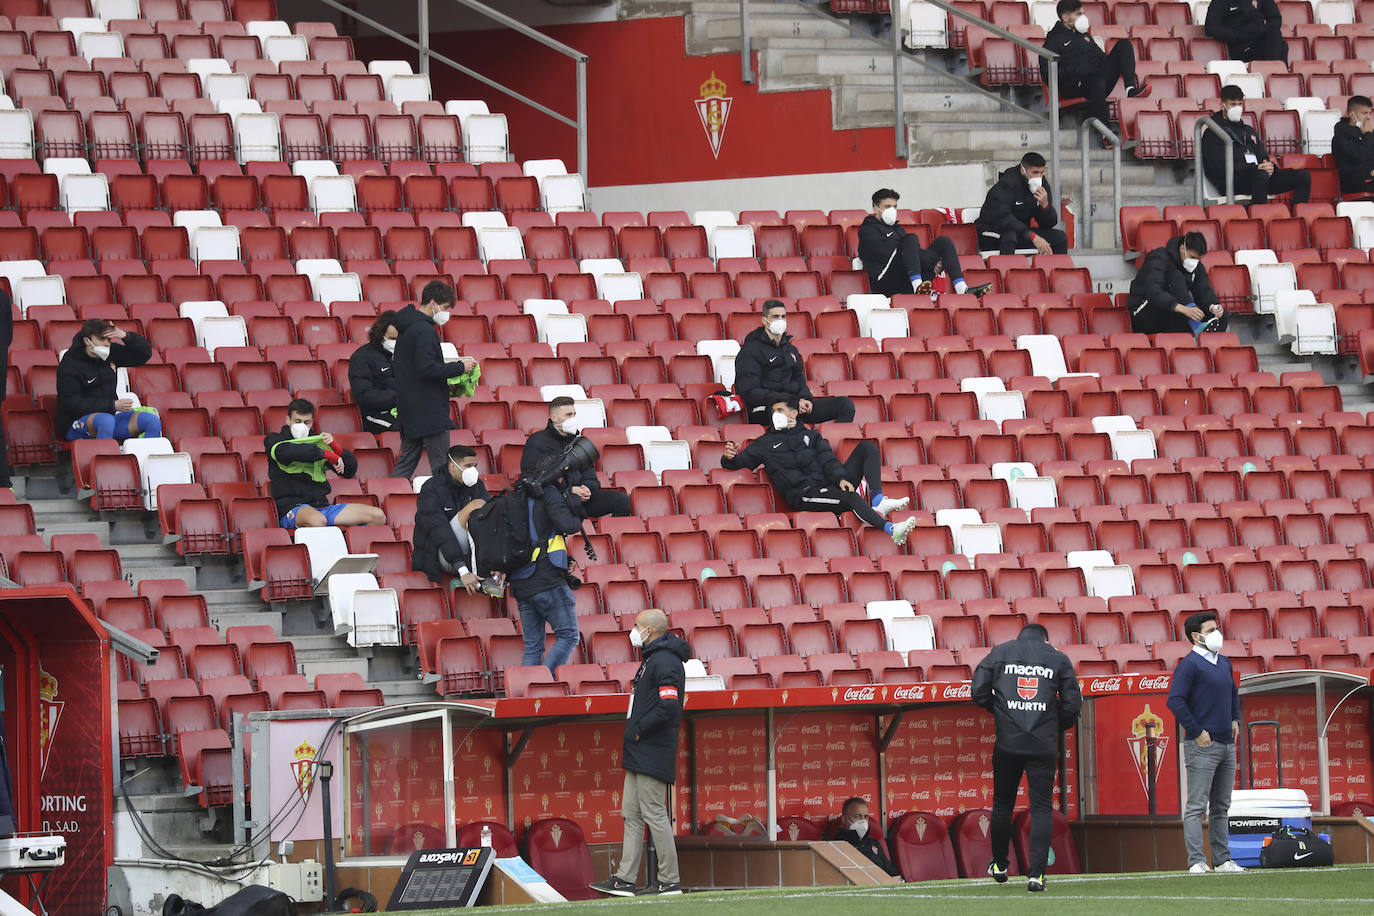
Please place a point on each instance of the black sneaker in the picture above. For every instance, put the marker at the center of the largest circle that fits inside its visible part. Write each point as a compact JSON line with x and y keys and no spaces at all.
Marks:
{"x":661,"y":890}
{"x":614,"y":887}
{"x":997,"y":874}
{"x":981,"y":290}
{"x":1035,"y":884}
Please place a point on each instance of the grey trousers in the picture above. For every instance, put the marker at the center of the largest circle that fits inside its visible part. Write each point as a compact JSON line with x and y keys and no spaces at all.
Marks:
{"x":464,"y":544}
{"x":437,"y":447}
{"x":646,"y":802}
{"x":1211,"y":775}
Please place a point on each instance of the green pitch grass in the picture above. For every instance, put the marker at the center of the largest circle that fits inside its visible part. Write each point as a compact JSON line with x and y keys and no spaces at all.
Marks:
{"x":1347,"y":889}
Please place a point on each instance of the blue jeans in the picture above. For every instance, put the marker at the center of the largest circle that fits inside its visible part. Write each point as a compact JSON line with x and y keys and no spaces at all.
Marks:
{"x":114,"y":426}
{"x":558,"y":608}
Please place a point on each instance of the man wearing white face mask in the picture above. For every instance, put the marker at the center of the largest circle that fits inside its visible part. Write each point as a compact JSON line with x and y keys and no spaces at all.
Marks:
{"x":1020,"y":212}
{"x":1171,"y":292}
{"x":583,"y":484}
{"x":1206,"y":702}
{"x":298,"y":463}
{"x":1256,"y":172}
{"x":768,"y":368}
{"x":442,"y":542}
{"x":853,"y":828}
{"x":810,"y":478}
{"x":1084,"y":68}
{"x":422,"y":374}
{"x":88,"y":402}
{"x":896,"y":262}
{"x":371,"y":379}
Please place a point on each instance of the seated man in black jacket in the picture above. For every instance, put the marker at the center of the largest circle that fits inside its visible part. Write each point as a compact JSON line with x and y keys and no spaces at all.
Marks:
{"x":1352,"y":146}
{"x":1085,"y":69}
{"x":1171,"y":292}
{"x":555,"y":437}
{"x":768,"y":369}
{"x":896,"y":262}
{"x":88,"y":402}
{"x":811,"y":479}
{"x":297,"y":461}
{"x":1019,"y":212}
{"x":853,"y":829}
{"x":442,"y":542}
{"x":370,"y":377}
{"x":1256,"y":172}
{"x":1251,"y":29}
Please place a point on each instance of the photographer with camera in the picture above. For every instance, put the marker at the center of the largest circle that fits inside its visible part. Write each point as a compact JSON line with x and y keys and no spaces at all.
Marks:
{"x":584,"y":486}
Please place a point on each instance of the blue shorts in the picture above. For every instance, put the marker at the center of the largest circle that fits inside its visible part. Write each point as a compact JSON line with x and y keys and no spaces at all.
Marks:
{"x":288,"y":521}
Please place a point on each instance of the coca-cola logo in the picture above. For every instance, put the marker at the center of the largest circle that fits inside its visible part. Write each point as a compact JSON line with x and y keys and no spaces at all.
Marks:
{"x":811,"y":765}
{"x":957,"y":692}
{"x":1157,"y":682}
{"x":921,"y":760}
{"x":923,"y":795}
{"x":909,"y":693}
{"x":1356,"y":779}
{"x":944,"y":776}
{"x":967,"y":722}
{"x":1105,"y":683}
{"x":968,"y":793}
{"x":835,"y":746}
{"x":815,"y":729}
{"x":942,"y":740}
{"x":967,"y":758}
{"x":813,"y":800}
{"x":860,"y":694}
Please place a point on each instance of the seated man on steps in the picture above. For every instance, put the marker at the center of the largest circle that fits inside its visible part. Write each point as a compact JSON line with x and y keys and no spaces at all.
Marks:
{"x":896,"y":262}
{"x":1084,"y":68}
{"x":297,"y":462}
{"x":1256,"y":172}
{"x":442,"y":542}
{"x":1171,"y":292}
{"x":1019,"y":212}
{"x":811,"y":479}
{"x":768,"y":368}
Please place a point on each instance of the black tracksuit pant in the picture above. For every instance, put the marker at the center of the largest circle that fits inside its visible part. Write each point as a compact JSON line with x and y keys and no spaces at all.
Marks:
{"x":863,"y":464}
{"x":1120,"y":65}
{"x":1006,"y":776}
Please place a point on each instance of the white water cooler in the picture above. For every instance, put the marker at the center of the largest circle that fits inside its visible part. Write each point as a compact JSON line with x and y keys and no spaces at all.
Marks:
{"x":1257,"y":813}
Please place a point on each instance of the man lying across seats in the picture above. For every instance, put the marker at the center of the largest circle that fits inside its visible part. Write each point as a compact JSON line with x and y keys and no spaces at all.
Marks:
{"x":1171,"y":292}
{"x":896,"y":262}
{"x":297,"y":462}
{"x":1352,"y":146}
{"x":442,"y":542}
{"x":810,"y":478}
{"x":88,"y":402}
{"x":768,"y":368}
{"x":555,"y":437}
{"x":1256,"y":172}
{"x":1019,"y":212}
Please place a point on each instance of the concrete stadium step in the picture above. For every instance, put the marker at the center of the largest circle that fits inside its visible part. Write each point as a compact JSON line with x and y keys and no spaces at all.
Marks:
{"x":174,"y":821}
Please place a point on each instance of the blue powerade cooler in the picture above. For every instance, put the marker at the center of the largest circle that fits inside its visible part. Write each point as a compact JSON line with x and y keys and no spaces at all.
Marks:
{"x":1257,"y":813}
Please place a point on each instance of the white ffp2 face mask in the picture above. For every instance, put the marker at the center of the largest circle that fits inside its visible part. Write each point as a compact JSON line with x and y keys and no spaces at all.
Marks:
{"x":777,"y":327}
{"x":569,"y":426}
{"x":470,"y":476}
{"x":1035,"y":183}
{"x":636,"y":638}
{"x":1082,"y":24}
{"x":779,"y":421}
{"x":300,"y":430}
{"x":389,"y":345}
{"x":890,"y":216}
{"x":1190,"y":264}
{"x":1214,"y":641}
{"x":860,"y":827}
{"x":1235,"y":113}
{"x":441,"y":318}
{"x":100,"y":352}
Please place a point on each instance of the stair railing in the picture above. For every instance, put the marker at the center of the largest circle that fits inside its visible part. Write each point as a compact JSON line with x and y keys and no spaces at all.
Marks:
{"x":1084,"y":136}
{"x":1207,"y":124}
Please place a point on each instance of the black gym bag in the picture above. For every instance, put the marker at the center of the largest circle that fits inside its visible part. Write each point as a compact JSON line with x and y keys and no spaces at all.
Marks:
{"x":1295,"y":847}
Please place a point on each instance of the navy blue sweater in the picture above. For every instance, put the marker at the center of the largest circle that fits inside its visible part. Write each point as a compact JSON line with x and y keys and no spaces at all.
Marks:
{"x":1203,"y":697}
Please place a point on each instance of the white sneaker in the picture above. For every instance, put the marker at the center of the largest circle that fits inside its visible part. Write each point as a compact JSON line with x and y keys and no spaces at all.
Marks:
{"x":887,"y":505}
{"x":1199,"y":868}
{"x":901,"y":530}
{"x":1228,"y":867}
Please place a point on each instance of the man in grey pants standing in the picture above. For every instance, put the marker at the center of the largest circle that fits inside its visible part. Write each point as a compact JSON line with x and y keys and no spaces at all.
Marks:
{"x":650,"y":761}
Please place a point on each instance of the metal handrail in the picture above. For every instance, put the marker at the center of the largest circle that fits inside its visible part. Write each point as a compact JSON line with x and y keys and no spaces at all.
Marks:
{"x":426,"y":53}
{"x":1198,"y":176}
{"x":900,"y":53}
{"x":1089,"y":126}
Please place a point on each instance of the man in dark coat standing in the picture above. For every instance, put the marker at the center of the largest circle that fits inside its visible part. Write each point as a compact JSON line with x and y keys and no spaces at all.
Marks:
{"x":1030,"y":688}
{"x":1352,"y":146}
{"x":1019,"y":212}
{"x":1171,"y":292}
{"x":650,"y":757}
{"x":584,"y":485}
{"x":442,"y":542}
{"x":1251,"y":29}
{"x":1256,"y":172}
{"x":422,"y":376}
{"x":896,"y":262}
{"x":768,"y":368}
{"x":1084,"y":68}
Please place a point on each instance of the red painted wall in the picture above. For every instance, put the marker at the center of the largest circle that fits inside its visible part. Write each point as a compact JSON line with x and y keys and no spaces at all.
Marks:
{"x":642,"y":92}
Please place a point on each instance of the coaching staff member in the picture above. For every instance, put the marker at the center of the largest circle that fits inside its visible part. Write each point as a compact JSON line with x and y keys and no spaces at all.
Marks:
{"x":650,"y":756}
{"x":1030,"y":688}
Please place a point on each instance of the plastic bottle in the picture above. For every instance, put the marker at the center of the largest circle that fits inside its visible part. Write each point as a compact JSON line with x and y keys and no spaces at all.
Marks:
{"x":486,"y":836}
